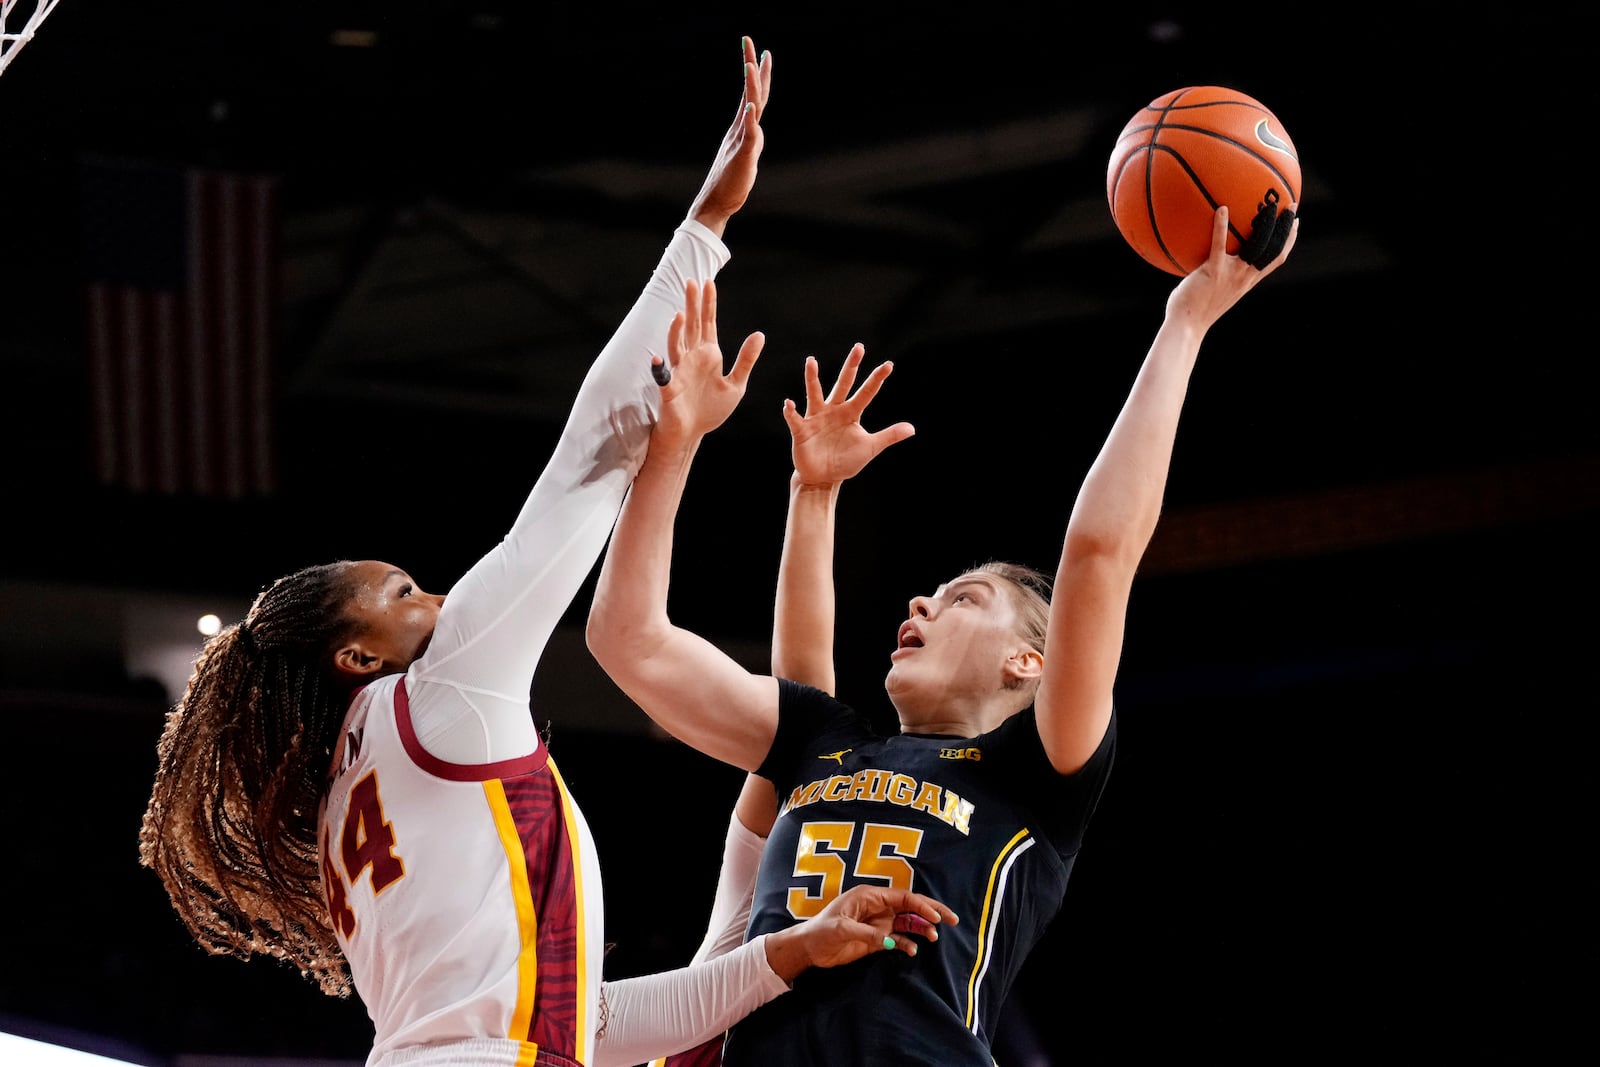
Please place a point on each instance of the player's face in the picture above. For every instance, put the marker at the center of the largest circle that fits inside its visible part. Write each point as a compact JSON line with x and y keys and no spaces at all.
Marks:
{"x":395,"y":617}
{"x":952,"y":650}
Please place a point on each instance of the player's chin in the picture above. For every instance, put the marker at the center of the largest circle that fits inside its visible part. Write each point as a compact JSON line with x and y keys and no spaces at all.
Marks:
{"x":901,"y":685}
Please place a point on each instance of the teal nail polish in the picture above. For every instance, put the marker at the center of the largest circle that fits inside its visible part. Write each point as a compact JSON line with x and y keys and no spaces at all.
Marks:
{"x":888,"y":942}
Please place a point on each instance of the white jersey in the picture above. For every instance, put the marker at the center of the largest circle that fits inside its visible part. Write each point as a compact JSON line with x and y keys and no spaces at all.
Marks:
{"x":461,"y":877}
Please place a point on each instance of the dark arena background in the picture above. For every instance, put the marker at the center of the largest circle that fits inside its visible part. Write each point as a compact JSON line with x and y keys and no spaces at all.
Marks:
{"x":1353,"y":813}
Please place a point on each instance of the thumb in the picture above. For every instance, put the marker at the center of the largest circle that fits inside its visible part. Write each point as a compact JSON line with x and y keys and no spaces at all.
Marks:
{"x":660,"y":370}
{"x":891,"y":435}
{"x":791,"y":415}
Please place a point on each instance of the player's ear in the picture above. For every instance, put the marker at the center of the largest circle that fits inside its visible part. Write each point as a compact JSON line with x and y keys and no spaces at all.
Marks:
{"x":1025,"y":664}
{"x":357,"y":660}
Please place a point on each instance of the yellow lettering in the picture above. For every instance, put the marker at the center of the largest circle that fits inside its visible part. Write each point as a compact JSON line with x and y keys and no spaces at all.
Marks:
{"x":957,"y":812}
{"x":861,"y":786}
{"x":803,"y":795}
{"x":882,"y":787}
{"x":836,"y":788}
{"x":901,"y":789}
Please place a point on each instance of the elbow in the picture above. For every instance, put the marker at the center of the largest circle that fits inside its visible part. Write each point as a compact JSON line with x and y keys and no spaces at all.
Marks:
{"x":1103,"y":549}
{"x":617,"y":642}
{"x":601,"y":636}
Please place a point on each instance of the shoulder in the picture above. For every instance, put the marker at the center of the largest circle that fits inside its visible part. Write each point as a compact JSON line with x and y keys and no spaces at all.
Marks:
{"x":1019,"y":736}
{"x":799,"y":698}
{"x":1064,"y":803}
{"x":810,"y":720}
{"x":807,"y":707}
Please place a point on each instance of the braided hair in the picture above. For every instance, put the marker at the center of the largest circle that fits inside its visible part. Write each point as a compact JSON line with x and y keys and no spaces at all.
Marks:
{"x":243,"y":761}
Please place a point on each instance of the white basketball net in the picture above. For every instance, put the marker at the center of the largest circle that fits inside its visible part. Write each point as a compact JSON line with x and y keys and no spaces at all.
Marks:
{"x":18,"y":21}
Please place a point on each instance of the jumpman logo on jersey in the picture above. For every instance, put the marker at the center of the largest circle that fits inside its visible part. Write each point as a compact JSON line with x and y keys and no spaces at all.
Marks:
{"x":837,"y":757}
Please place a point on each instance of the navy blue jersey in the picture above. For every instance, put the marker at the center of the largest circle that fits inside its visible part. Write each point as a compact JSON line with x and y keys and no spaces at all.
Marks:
{"x":984,"y":824}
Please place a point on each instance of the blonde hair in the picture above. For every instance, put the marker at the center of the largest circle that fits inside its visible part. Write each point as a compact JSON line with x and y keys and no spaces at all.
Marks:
{"x":1029,"y":590}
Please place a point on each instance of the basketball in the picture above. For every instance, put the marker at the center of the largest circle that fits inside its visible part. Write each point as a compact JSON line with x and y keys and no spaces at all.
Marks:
{"x":1184,"y":155}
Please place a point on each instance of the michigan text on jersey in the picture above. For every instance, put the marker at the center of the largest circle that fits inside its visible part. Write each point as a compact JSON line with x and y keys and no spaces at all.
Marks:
{"x":887,"y":787}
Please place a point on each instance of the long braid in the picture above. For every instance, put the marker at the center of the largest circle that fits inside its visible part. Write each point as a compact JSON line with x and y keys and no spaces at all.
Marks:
{"x":243,"y":760}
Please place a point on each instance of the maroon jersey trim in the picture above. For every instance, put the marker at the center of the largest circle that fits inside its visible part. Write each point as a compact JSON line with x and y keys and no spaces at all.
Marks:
{"x":458,"y":772}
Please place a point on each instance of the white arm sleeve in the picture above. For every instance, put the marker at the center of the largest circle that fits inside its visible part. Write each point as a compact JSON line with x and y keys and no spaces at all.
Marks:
{"x":470,"y":689}
{"x":659,"y":1014}
{"x":653,"y":1017}
{"x":736,"y":888}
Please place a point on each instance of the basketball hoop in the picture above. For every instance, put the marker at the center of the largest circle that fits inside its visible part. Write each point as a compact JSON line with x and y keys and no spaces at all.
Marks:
{"x":18,"y":21}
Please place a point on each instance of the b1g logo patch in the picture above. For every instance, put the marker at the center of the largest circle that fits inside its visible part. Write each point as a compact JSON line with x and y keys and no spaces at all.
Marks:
{"x":961,"y":753}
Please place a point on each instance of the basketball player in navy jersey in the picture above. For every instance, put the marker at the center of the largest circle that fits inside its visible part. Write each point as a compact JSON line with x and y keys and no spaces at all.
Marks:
{"x":983,"y":797}
{"x":830,"y":446}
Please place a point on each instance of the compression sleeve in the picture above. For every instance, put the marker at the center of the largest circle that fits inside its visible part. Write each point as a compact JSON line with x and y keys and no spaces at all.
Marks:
{"x":660,"y":1014}
{"x":736,"y":887}
{"x":470,"y":689}
{"x":730,"y":916}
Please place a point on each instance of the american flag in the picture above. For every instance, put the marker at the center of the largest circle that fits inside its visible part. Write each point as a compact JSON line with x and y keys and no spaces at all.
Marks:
{"x":181,"y":288}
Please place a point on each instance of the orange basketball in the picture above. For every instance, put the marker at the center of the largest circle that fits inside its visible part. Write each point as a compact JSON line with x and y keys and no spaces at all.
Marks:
{"x":1187,"y":153}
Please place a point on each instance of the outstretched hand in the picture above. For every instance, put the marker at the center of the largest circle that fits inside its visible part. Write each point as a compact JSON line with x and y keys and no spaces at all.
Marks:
{"x":733,"y":173}
{"x":830,"y":444}
{"x":862,"y":919}
{"x":697,"y":396}
{"x":1208,"y":291}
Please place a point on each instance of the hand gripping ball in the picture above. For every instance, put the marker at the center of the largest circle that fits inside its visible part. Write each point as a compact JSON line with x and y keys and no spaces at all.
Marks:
{"x":1184,"y":155}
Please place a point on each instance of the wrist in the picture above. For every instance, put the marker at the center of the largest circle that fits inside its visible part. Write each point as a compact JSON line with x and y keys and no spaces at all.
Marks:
{"x":712,"y":219}
{"x":670,"y":449}
{"x":787,"y":952}
{"x":798,"y":485}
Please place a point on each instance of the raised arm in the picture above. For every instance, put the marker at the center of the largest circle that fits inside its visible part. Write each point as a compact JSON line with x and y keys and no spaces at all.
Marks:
{"x":687,"y":685}
{"x":830,"y":446}
{"x":733,"y":175}
{"x":470,"y":688}
{"x":1118,"y":505}
{"x":607,"y":434}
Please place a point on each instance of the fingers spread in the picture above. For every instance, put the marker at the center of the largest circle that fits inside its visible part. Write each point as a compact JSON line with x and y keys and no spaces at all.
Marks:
{"x":745,"y":362}
{"x":708,"y":312}
{"x":690,"y":315}
{"x":847,"y":374}
{"x":870,"y":387}
{"x":891,"y":435}
{"x":813,"y":385}
{"x":676,"y":345}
